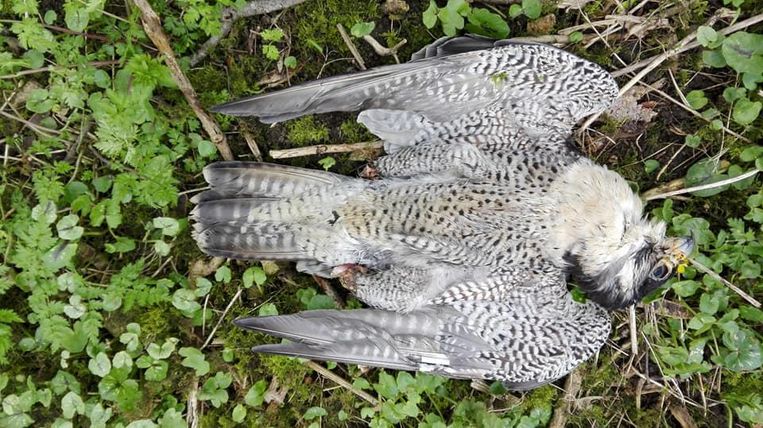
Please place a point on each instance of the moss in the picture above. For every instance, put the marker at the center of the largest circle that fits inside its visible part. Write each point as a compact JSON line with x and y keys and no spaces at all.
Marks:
{"x":306,"y":130}
{"x":540,"y":398}
{"x":353,"y":132}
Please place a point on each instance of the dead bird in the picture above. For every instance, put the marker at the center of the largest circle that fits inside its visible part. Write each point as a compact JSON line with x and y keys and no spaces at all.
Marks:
{"x":483,"y":208}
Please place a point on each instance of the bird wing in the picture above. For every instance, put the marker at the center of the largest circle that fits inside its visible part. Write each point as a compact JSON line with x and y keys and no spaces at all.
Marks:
{"x":524,"y":342}
{"x":540,"y":87}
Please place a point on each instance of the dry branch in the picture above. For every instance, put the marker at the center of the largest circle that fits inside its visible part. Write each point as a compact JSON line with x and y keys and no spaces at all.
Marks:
{"x":231,"y":15}
{"x":153,"y":27}
{"x":341,"y":382}
{"x":351,"y":46}
{"x":324,"y":148}
{"x":571,"y":389}
{"x":651,"y":195}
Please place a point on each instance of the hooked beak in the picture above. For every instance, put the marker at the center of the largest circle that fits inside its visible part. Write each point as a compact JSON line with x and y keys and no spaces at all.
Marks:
{"x":679,"y":249}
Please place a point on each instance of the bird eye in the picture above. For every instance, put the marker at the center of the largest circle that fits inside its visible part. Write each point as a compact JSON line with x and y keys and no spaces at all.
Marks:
{"x":661,"y":272}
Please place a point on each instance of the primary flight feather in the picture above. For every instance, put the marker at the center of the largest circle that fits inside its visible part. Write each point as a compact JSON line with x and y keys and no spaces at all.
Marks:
{"x":483,"y":208}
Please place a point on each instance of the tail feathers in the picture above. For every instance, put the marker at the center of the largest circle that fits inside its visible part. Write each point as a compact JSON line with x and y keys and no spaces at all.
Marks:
{"x":256,"y":179}
{"x":248,"y":243}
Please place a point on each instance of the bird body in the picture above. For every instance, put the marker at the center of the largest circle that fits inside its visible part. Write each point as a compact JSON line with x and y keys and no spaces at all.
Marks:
{"x":482,"y":210}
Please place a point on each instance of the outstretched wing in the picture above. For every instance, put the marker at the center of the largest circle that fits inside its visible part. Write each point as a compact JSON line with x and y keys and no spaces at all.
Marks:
{"x":541,"y":88}
{"x":524,"y":342}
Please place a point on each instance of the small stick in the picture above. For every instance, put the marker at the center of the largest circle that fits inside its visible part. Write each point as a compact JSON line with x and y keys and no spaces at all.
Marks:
{"x":351,"y":46}
{"x":153,"y":27}
{"x":633,"y":329}
{"x":649,"y":197}
{"x":571,"y":389}
{"x":341,"y":382}
{"x":222,"y":317}
{"x":252,"y":143}
{"x":383,"y":50}
{"x":741,"y":25}
{"x":329,"y":290}
{"x":324,"y":148}
{"x":654,"y":63}
{"x":704,"y":269}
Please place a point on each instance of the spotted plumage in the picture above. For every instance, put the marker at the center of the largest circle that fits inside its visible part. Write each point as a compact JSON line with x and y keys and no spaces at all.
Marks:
{"x":482,"y":210}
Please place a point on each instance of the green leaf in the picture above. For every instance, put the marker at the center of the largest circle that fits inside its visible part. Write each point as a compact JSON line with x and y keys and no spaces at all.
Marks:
{"x":576,"y":37}
{"x":515,"y":10}
{"x":315,"y":412}
{"x":327,"y":162}
{"x":271,"y":52}
{"x":693,"y":141}
{"x":256,"y":394}
{"x":362,"y":29}
{"x":532,"y":8}
{"x":750,"y":153}
{"x":745,"y":111}
{"x":254,"y":275}
{"x":100,"y":365}
{"x":696,"y":99}
{"x":239,"y":413}
{"x":708,"y":37}
{"x":430,"y":15}
{"x":76,"y":16}
{"x":68,"y":229}
{"x":168,"y":225}
{"x":486,"y":23}
{"x":713,"y":58}
{"x":709,"y":303}
{"x":290,"y":62}
{"x":745,"y":350}
{"x":185,"y":300}
{"x":206,"y":148}
{"x":685,"y":288}
{"x":39,"y":101}
{"x":651,"y":165}
{"x":744,"y":52}
{"x":72,"y":404}
{"x":162,"y":352}
{"x":223,"y":274}
{"x":705,"y":172}
{"x":267,"y":309}
{"x":194,"y":359}
{"x":272,"y":35}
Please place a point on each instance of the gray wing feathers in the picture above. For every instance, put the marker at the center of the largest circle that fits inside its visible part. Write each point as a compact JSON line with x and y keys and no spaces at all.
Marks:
{"x":418,"y":340}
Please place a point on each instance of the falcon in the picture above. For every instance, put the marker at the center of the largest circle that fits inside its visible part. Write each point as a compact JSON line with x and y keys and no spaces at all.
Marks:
{"x":481,"y":211}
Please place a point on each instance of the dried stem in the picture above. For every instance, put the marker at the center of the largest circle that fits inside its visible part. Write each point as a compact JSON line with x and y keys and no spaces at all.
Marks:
{"x":324,"y":148}
{"x":221,"y":319}
{"x":351,"y":46}
{"x":563,"y":406}
{"x":328,"y":374}
{"x":650,"y":196}
{"x":706,"y":270}
{"x":153,"y":27}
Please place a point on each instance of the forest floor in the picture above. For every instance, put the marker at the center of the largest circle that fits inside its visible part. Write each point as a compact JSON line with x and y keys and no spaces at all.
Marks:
{"x":111,"y":316}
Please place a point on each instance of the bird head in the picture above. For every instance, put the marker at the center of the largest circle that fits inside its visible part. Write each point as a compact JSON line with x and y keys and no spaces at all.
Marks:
{"x":615,"y":254}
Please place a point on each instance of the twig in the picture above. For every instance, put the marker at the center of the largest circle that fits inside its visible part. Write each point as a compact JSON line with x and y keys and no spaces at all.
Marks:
{"x":153,"y":27}
{"x":192,"y":417}
{"x":251,"y":142}
{"x":222,"y":318}
{"x":741,"y":25}
{"x":324,"y":148}
{"x":383,"y":50}
{"x":351,"y":46}
{"x":54,"y":68}
{"x":231,"y":15}
{"x":648,"y":196}
{"x":633,"y":329}
{"x":329,"y":290}
{"x":706,"y":270}
{"x":571,"y":389}
{"x":341,"y":382}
